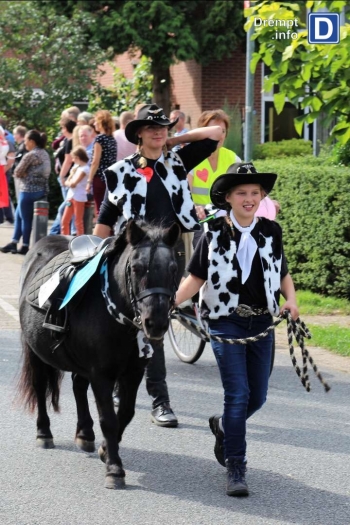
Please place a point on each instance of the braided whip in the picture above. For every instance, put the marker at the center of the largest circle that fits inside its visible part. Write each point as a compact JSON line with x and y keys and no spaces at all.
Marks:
{"x":298,"y":328}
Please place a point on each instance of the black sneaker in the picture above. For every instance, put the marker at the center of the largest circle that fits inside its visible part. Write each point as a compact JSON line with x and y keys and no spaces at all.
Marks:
{"x":163,"y":416}
{"x":214,"y":423}
{"x":23,"y":250}
{"x":11,"y":247}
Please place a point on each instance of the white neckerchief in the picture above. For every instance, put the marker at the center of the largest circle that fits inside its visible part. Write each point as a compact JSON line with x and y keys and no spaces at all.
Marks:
{"x":247,"y":247}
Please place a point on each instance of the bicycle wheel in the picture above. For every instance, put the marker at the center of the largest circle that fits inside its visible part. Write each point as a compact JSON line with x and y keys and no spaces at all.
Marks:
{"x":186,"y":344}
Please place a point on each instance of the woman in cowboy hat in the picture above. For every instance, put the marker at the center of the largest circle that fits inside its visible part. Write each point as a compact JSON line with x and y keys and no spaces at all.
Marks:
{"x":152,"y":184}
{"x":241,"y":263}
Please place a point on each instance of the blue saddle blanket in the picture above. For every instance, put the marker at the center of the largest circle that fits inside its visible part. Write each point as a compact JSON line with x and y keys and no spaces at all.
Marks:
{"x":81,"y":277}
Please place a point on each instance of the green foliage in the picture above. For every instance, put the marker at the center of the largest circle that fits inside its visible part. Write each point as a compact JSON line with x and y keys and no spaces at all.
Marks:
{"x":125,"y":93}
{"x":341,"y":153}
{"x":283,"y":148}
{"x":313,"y":76}
{"x":315,"y":202}
{"x":166,"y":31}
{"x":234,"y":139}
{"x":46,"y":63}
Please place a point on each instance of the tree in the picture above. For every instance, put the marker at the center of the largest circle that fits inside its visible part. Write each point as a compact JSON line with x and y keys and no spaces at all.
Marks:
{"x":46,"y":64}
{"x":312,"y":76}
{"x":125,"y":93}
{"x":166,"y":31}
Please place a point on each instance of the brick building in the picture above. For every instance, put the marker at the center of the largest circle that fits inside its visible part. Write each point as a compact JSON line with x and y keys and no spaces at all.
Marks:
{"x":196,"y":88}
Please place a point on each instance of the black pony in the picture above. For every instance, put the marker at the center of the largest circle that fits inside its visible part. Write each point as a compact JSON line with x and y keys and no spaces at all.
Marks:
{"x":99,"y":350}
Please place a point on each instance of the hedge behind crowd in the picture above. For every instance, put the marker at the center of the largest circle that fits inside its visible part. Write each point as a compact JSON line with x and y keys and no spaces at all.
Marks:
{"x":315,"y":217}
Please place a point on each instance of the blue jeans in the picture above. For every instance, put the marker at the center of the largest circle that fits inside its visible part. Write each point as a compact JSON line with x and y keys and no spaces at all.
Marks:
{"x":244,"y":371}
{"x":24,"y":215}
{"x":56,"y":226}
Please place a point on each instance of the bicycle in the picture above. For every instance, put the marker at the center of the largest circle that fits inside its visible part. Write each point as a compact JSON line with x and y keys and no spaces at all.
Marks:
{"x":187,"y":343}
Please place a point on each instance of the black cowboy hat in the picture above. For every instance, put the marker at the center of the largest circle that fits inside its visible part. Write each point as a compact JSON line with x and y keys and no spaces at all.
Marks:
{"x":148,"y":115}
{"x":239,"y":173}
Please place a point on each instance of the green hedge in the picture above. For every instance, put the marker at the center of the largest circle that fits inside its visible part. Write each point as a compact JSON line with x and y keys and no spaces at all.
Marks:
{"x":283,"y":148}
{"x":315,"y":217}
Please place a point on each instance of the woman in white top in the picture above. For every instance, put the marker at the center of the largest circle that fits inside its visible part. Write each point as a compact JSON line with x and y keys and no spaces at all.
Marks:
{"x":4,"y":148}
{"x":76,"y":196}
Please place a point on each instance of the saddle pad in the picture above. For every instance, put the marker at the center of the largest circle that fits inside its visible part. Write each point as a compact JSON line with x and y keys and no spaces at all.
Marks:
{"x":60,"y":262}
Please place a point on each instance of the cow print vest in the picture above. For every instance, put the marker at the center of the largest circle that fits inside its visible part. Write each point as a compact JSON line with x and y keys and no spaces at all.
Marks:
{"x":219,"y":296}
{"x":127,"y":189}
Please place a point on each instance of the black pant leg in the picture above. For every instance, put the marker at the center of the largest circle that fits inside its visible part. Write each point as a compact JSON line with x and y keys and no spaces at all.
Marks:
{"x":156,"y":370}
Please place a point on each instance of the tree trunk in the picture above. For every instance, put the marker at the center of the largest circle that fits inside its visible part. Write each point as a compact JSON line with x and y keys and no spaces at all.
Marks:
{"x":161,"y":86}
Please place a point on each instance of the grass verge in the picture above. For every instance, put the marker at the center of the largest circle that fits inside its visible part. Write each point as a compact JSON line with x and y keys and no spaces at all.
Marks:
{"x":332,"y":337}
{"x":313,"y":304}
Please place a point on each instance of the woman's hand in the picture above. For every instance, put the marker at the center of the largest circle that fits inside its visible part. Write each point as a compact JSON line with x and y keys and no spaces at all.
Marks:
{"x":200,"y":211}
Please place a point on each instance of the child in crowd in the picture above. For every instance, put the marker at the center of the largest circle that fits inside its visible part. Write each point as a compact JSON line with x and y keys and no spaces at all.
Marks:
{"x":76,"y":196}
{"x":241,"y":263}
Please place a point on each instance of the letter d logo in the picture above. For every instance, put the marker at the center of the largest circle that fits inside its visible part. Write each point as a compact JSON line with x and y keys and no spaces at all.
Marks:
{"x":323,"y":28}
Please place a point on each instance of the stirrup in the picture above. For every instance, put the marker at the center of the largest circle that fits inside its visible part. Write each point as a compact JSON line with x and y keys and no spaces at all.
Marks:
{"x":51,"y":315}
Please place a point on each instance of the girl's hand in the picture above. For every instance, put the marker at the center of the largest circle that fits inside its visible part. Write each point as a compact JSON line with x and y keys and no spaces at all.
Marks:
{"x":292,"y":307}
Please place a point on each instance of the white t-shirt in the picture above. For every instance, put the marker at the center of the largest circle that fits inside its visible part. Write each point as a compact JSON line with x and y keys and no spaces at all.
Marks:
{"x":79,"y":192}
{"x":4,"y":149}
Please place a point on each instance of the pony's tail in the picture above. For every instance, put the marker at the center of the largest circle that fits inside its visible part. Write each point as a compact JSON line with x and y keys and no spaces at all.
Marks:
{"x":35,"y":372}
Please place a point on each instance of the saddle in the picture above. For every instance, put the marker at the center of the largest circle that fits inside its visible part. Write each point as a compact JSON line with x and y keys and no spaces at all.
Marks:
{"x":50,"y":285}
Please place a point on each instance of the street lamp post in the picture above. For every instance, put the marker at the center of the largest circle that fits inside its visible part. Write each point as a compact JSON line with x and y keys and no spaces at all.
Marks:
{"x":249,"y":95}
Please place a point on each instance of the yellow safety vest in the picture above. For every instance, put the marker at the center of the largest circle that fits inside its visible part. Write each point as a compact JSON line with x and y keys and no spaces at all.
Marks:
{"x":204,"y":176}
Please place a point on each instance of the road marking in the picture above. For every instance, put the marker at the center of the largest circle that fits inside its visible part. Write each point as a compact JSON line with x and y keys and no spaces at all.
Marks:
{"x":9,"y":309}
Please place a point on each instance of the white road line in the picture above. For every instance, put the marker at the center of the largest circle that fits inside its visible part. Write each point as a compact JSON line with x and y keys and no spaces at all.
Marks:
{"x":9,"y":309}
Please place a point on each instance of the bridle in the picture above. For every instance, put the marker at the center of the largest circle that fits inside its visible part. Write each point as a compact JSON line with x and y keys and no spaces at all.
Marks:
{"x":134,"y":299}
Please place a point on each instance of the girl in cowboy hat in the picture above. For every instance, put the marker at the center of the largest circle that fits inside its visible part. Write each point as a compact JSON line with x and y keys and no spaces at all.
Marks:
{"x":241,"y":263}
{"x":152,"y":184}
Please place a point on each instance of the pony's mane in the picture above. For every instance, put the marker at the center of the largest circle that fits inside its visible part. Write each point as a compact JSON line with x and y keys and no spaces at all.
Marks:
{"x":153,"y":232}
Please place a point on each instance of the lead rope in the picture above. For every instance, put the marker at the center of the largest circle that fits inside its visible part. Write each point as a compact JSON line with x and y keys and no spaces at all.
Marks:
{"x":298,"y":328}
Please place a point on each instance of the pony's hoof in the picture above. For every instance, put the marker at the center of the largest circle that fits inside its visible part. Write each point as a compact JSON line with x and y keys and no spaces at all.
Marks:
{"x":45,"y":442}
{"x":86,"y":446}
{"x":112,"y":482}
{"x":102,"y":454}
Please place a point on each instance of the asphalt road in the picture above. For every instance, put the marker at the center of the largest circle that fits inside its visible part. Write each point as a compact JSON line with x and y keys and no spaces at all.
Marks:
{"x":298,"y":450}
